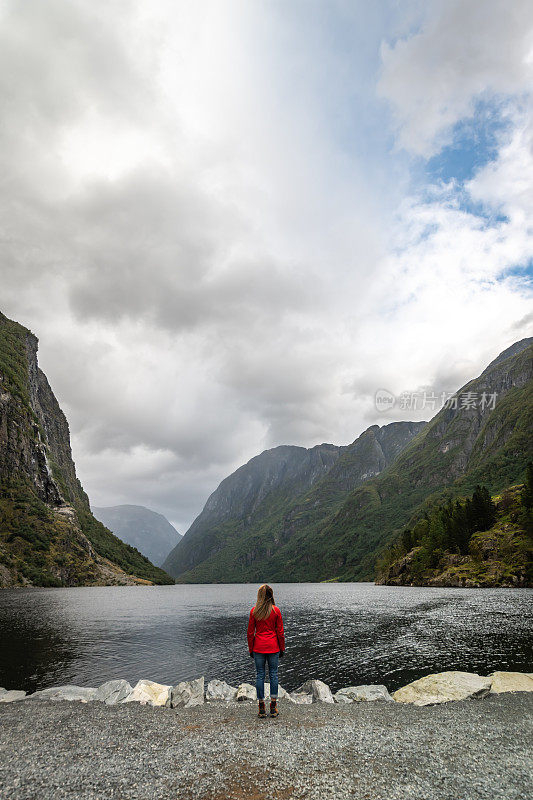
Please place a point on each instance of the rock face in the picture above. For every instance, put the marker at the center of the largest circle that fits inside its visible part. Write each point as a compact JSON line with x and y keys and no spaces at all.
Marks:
{"x":276,"y":494}
{"x":188,"y":693}
{"x":33,"y":429}
{"x":511,"y":682}
{"x":220,"y":690}
{"x":81,"y":693}
{"x":49,"y":536}
{"x":363,"y":694}
{"x":113,"y":692}
{"x":319,"y":691}
{"x":443,"y":687}
{"x":151,"y":533}
{"x":149,"y":693}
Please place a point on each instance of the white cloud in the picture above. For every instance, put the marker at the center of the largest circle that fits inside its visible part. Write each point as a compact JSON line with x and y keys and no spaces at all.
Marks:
{"x":198,"y":224}
{"x":462,"y":52}
{"x":506,"y":184}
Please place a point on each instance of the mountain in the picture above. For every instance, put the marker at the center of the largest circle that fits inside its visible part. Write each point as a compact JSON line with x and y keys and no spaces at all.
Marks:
{"x":458,"y":449}
{"x":258,"y":508}
{"x":267,"y":482}
{"x":48,"y":535}
{"x":151,"y":533}
{"x":334,"y":528}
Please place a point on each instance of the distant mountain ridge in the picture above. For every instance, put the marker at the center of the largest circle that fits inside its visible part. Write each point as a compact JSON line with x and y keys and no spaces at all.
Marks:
{"x":48,"y":535}
{"x":270,"y":478}
{"x":288,"y":487}
{"x":150,"y":532}
{"x":334,"y":527}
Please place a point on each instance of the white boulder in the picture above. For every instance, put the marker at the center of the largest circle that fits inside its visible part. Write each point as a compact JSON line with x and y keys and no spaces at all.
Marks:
{"x":10,"y":695}
{"x":319,"y":691}
{"x":220,"y":690}
{"x":245,"y":691}
{"x":511,"y":682}
{"x":188,"y":693}
{"x":149,"y":693}
{"x":301,"y":698}
{"x":113,"y":692}
{"x":441,"y":687}
{"x":83,"y":694}
{"x":362,"y":694}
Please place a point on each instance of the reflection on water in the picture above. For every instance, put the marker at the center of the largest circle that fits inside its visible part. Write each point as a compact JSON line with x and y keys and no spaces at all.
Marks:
{"x":345,"y":634}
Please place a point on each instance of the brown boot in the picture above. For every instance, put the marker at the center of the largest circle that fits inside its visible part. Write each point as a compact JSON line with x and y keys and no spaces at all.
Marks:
{"x":262,"y":710}
{"x":274,"y":708}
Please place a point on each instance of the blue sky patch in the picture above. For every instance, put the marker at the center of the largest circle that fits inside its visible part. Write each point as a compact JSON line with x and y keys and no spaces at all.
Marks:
{"x":474,"y":143}
{"x":521,"y":271}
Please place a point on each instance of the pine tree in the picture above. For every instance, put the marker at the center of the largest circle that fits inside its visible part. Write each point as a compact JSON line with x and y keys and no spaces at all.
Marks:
{"x":407,"y":540}
{"x":462,"y":525}
{"x":527,"y":491}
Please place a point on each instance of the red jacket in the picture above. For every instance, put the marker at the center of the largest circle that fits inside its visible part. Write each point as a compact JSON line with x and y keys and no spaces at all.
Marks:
{"x":266,"y":635}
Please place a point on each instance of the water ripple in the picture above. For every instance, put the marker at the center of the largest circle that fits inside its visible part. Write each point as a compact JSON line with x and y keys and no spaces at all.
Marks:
{"x":345,"y":634}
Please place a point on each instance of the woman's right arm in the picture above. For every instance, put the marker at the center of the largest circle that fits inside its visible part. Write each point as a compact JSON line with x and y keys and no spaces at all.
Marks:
{"x":251,"y":632}
{"x":280,"y":633}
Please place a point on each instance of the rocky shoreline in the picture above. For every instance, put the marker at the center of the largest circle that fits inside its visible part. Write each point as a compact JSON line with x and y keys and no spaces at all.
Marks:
{"x":222,"y":751}
{"x":441,"y":687}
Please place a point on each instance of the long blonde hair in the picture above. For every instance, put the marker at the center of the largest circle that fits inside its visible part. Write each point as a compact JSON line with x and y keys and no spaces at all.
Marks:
{"x":265,"y":602}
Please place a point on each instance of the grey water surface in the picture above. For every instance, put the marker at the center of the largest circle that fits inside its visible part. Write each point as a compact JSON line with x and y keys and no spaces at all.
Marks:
{"x":344,"y":634}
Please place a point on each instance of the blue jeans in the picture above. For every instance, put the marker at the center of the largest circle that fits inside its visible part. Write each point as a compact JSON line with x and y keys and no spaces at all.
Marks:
{"x":260,"y":664}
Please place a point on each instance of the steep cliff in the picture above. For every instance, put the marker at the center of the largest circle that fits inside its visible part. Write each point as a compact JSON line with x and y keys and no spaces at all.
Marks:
{"x":48,"y":535}
{"x":366,"y":457}
{"x":258,"y":508}
{"x":246,"y":498}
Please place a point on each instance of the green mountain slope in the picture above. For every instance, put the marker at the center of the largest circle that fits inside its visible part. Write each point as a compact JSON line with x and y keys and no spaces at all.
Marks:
{"x":248,"y":498}
{"x":262,"y":505}
{"x":48,"y":535}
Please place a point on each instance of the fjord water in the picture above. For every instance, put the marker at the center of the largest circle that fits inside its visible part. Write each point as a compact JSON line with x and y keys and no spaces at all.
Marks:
{"x":344,"y":634}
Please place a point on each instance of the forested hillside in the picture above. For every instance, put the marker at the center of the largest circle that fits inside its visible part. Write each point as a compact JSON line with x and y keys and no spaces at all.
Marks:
{"x":474,"y":541}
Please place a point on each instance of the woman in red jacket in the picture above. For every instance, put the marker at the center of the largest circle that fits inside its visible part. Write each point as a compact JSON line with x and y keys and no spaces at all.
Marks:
{"x":266,"y":642}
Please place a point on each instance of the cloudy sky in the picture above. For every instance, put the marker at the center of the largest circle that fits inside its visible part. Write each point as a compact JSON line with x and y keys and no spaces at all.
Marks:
{"x":231,"y":222}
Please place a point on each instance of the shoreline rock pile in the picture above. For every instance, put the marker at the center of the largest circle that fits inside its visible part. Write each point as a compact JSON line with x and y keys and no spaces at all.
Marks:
{"x":440,"y":687}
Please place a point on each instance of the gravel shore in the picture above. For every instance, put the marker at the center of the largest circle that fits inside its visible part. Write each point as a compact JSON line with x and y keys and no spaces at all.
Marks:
{"x":467,"y":750}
